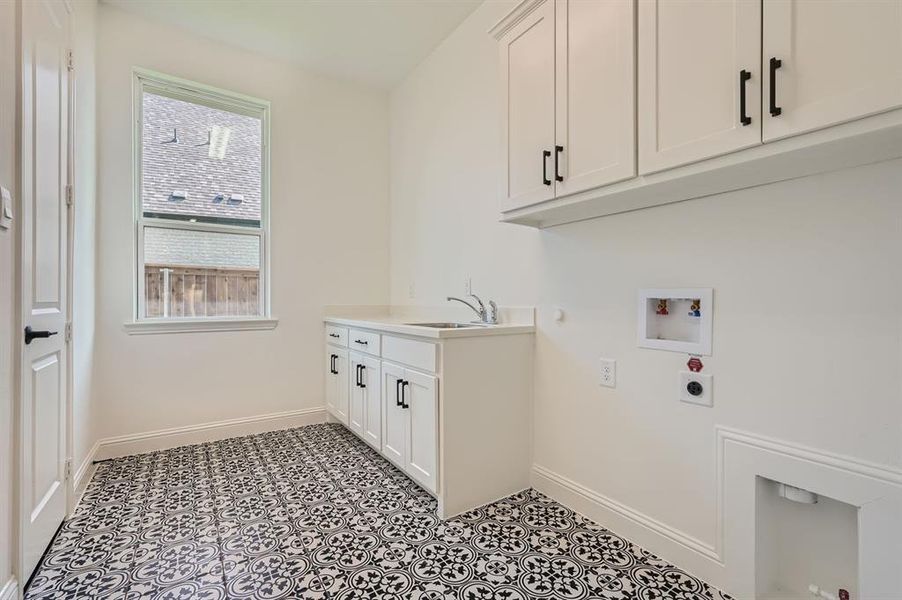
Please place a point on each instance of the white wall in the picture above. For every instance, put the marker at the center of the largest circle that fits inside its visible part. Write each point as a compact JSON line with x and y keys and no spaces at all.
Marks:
{"x":8,"y":166}
{"x":84,"y":411}
{"x":329,"y":235}
{"x":807,"y":333}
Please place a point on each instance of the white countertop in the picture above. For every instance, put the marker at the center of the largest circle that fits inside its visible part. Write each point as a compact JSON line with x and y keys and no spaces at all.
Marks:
{"x":404,"y":324}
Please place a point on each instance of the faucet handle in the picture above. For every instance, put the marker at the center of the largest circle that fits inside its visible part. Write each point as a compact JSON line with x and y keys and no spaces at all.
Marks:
{"x":493,"y":318}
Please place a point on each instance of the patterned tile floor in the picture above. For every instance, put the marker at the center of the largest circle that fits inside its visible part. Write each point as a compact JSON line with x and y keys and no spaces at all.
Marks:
{"x":315,"y":513}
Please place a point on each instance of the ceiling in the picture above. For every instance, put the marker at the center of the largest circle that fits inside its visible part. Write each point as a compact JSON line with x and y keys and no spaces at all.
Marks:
{"x":371,"y":41}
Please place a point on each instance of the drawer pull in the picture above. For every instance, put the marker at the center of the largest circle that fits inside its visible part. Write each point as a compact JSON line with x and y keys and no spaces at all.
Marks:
{"x":365,"y":343}
{"x":334,"y":335}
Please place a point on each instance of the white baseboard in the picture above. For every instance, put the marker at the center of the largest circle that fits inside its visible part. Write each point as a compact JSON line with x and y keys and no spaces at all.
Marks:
{"x":83,"y":475}
{"x":680,"y":548}
{"x":10,"y":590}
{"x":163,"y":439}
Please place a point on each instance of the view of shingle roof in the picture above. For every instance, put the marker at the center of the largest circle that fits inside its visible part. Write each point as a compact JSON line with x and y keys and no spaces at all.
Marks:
{"x":207,"y":249}
{"x":176,"y":157}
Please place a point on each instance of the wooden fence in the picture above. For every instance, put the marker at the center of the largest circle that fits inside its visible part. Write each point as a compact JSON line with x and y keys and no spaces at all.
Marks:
{"x":192,"y":292}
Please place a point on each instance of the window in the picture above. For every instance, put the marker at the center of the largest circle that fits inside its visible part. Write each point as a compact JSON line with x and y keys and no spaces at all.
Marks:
{"x":202,"y":202}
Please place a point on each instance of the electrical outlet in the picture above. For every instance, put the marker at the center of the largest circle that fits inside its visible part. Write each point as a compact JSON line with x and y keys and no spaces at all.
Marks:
{"x":607,"y":372}
{"x":696,"y":388}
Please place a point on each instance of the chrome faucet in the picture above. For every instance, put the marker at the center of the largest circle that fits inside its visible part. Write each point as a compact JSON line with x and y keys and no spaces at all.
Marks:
{"x":490,"y":318}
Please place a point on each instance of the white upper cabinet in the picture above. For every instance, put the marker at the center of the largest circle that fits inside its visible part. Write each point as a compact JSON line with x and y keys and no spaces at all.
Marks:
{"x":699,"y":80}
{"x":832,"y":62}
{"x":595,"y":123}
{"x":527,"y":65}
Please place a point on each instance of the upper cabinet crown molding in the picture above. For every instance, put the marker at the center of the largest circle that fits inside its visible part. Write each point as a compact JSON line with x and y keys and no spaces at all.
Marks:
{"x":510,"y":20}
{"x":678,"y":100}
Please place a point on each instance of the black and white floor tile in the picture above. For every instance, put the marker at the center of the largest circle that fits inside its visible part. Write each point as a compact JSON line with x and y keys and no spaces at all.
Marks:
{"x":315,"y":513}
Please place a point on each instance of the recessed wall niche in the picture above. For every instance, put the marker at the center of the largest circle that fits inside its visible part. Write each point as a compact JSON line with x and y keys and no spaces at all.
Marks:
{"x":800,"y":544}
{"x":677,"y":320}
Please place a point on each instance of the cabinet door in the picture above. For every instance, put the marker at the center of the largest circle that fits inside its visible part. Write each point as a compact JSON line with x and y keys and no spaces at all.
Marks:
{"x":340,"y":389}
{"x":357,"y":394}
{"x":370,"y":377}
{"x":420,"y":396}
{"x":395,"y":419}
{"x":595,"y":99}
{"x":692,"y":57}
{"x":839,"y":60}
{"x":527,"y":76}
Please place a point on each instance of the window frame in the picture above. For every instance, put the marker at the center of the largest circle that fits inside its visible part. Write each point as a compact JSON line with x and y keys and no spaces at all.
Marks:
{"x":144,"y":80}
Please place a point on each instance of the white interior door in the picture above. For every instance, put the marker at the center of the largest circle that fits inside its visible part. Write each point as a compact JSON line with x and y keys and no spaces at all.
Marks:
{"x":595,"y":100}
{"x":527,"y":64}
{"x":837,"y":61}
{"x":45,"y":177}
{"x":395,"y":421}
{"x":693,"y":59}
{"x":357,"y":393}
{"x":420,"y":398}
{"x":372,"y":400}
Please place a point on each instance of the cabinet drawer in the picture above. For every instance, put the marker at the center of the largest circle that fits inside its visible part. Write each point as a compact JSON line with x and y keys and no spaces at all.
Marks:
{"x":421,"y":355}
{"x":337,"y":336}
{"x":364,"y":341}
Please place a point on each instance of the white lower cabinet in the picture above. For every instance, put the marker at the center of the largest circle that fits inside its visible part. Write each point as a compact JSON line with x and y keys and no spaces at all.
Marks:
{"x":365,"y":410}
{"x":337,"y":399}
{"x":410,"y":419}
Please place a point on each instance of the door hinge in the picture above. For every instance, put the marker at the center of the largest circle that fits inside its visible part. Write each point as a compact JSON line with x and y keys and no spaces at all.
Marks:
{"x":68,"y":472}
{"x":69,"y":194}
{"x":68,"y":331}
{"x":70,"y":62}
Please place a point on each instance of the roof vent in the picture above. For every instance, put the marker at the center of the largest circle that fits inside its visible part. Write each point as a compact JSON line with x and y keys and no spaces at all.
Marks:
{"x":178,"y":195}
{"x":236,"y":198}
{"x":218,"y":198}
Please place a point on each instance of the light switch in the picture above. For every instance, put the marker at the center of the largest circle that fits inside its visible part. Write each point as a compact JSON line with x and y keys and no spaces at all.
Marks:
{"x":6,"y":208}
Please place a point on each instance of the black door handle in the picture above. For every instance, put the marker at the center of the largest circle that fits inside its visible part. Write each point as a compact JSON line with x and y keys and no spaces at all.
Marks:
{"x":545,"y":155}
{"x":332,"y":368}
{"x":360,"y":371}
{"x":743,"y":118}
{"x":557,"y":155}
{"x":398,"y":400}
{"x":357,"y":381}
{"x":775,"y":63}
{"x":31,"y":334}
{"x":404,"y":385}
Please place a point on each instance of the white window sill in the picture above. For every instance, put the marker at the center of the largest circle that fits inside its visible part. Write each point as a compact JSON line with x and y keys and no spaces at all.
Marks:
{"x":152,"y":326}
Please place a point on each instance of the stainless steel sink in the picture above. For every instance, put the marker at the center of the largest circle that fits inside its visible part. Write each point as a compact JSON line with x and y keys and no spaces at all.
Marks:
{"x":447,"y":325}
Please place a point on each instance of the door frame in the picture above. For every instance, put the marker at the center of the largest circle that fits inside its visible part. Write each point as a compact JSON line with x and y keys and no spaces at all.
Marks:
{"x":17,"y":350}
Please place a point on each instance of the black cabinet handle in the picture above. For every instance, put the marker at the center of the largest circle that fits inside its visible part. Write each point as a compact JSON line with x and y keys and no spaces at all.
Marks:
{"x":398,"y":393}
{"x":334,"y":335}
{"x":360,"y":371}
{"x":404,"y":386}
{"x":557,"y":155}
{"x":357,"y":381}
{"x":545,"y":155}
{"x":332,"y":364}
{"x":31,"y":334}
{"x":361,"y":342}
{"x":775,"y":63}
{"x":743,"y":77}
